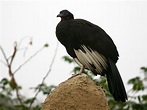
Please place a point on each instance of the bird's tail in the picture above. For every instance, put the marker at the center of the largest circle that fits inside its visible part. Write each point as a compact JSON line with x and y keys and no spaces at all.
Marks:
{"x":115,"y":83}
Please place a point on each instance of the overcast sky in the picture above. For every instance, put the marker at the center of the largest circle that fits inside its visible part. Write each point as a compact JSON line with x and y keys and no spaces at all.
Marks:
{"x":125,"y":21}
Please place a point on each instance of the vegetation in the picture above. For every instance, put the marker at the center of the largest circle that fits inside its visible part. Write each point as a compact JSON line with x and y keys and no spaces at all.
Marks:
{"x":137,"y":97}
{"x":11,"y":99}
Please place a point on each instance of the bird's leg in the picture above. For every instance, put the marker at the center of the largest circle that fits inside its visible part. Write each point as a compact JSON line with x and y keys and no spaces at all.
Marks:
{"x":81,"y":71}
{"x":103,"y":88}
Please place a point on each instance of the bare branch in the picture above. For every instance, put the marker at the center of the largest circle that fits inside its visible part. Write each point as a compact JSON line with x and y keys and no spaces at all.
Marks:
{"x":50,"y":67}
{"x":18,"y":96}
{"x":3,"y":62}
{"x":52,"y":62}
{"x":9,"y":62}
{"x":14,"y":52}
{"x":20,"y":66}
{"x":10,"y":70}
{"x":17,"y":90}
{"x":5,"y":57}
{"x":21,"y":40}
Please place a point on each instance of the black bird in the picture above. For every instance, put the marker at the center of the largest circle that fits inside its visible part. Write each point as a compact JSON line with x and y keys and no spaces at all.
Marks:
{"x":92,"y":48}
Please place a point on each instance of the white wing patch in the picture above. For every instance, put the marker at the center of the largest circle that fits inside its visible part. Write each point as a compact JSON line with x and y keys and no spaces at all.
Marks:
{"x":89,"y":58}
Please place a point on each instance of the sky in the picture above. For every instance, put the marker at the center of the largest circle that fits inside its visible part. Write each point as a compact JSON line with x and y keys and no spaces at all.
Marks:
{"x":125,"y":21}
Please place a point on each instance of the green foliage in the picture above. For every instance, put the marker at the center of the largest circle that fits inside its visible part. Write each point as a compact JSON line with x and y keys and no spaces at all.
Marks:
{"x":136,"y":83}
{"x":10,"y":97}
{"x":44,"y":89}
{"x":46,"y":45}
{"x":137,"y":99}
{"x":144,"y":69}
{"x":8,"y":101}
{"x":67,"y":59}
{"x":6,"y":93}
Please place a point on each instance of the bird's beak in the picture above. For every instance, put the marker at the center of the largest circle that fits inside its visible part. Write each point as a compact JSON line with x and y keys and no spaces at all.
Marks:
{"x":59,"y":15}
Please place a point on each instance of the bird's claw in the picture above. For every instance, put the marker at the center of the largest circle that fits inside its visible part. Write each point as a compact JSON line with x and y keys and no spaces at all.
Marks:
{"x":75,"y":75}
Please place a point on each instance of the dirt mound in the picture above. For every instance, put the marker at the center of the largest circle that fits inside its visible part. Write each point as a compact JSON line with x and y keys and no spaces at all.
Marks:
{"x":77,"y":93}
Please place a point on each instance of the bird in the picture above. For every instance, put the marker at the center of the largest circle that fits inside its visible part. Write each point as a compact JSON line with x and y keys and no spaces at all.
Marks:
{"x":92,"y":49}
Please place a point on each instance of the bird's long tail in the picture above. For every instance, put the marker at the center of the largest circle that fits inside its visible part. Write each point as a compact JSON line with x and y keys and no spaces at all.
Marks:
{"x":115,"y":83}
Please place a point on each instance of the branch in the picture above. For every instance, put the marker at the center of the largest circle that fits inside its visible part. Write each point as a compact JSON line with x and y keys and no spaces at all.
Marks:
{"x":5,"y":57}
{"x":9,"y":62}
{"x":18,"y":96}
{"x":20,"y":66}
{"x":3,"y":62}
{"x":50,"y":67}
{"x":14,"y":53}
{"x":52,"y":62}
{"x":10,"y":70}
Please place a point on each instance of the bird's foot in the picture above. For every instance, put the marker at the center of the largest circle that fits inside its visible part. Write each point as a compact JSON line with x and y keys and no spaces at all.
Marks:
{"x":74,"y":75}
{"x":80,"y":72}
{"x":103,"y":88}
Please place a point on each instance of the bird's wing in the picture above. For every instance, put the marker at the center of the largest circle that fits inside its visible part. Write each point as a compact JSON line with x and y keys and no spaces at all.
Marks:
{"x":93,"y":37}
{"x":91,"y":60}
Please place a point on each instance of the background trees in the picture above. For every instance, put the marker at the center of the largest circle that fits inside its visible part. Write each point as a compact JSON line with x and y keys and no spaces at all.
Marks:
{"x":137,"y":97}
{"x":12,"y":99}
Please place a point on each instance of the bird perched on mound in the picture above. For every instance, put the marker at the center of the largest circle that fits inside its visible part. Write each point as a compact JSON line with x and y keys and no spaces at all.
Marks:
{"x":93,"y":49}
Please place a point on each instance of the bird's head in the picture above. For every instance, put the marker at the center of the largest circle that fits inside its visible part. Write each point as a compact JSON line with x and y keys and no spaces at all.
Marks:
{"x":65,"y":15}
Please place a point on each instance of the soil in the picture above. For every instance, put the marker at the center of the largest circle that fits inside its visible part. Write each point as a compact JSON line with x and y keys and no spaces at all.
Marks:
{"x":77,"y":93}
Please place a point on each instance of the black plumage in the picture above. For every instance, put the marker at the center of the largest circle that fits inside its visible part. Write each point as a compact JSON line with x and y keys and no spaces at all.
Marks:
{"x":93,"y":49}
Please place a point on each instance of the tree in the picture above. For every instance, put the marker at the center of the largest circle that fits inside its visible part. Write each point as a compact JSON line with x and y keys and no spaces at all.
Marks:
{"x":10,"y":97}
{"x":137,"y":100}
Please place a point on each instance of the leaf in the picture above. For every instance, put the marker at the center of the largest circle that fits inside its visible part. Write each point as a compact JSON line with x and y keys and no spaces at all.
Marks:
{"x":46,"y":45}
{"x":137,"y":107}
{"x":144,"y":69}
{"x":133,"y":80}
{"x":39,"y":87}
{"x":44,"y":88}
{"x":12,"y":83}
{"x":137,"y":84}
{"x":4,"y":81}
{"x":30,"y":100}
{"x":144,"y":97}
{"x":48,"y":89}
{"x":68,"y":59}
{"x":139,"y":99}
{"x":76,"y":69}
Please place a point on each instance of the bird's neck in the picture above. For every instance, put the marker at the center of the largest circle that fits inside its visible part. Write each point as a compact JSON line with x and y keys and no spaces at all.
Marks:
{"x":66,"y":18}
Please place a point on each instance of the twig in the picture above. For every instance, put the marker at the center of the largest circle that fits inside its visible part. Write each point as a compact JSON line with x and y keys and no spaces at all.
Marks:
{"x":17,"y":91}
{"x":50,"y":67}
{"x":14,"y":53}
{"x":3,"y":62}
{"x":5,"y":57}
{"x":52,"y":62}
{"x":28,"y":60}
{"x":9,"y":64}
{"x":18,"y":96}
